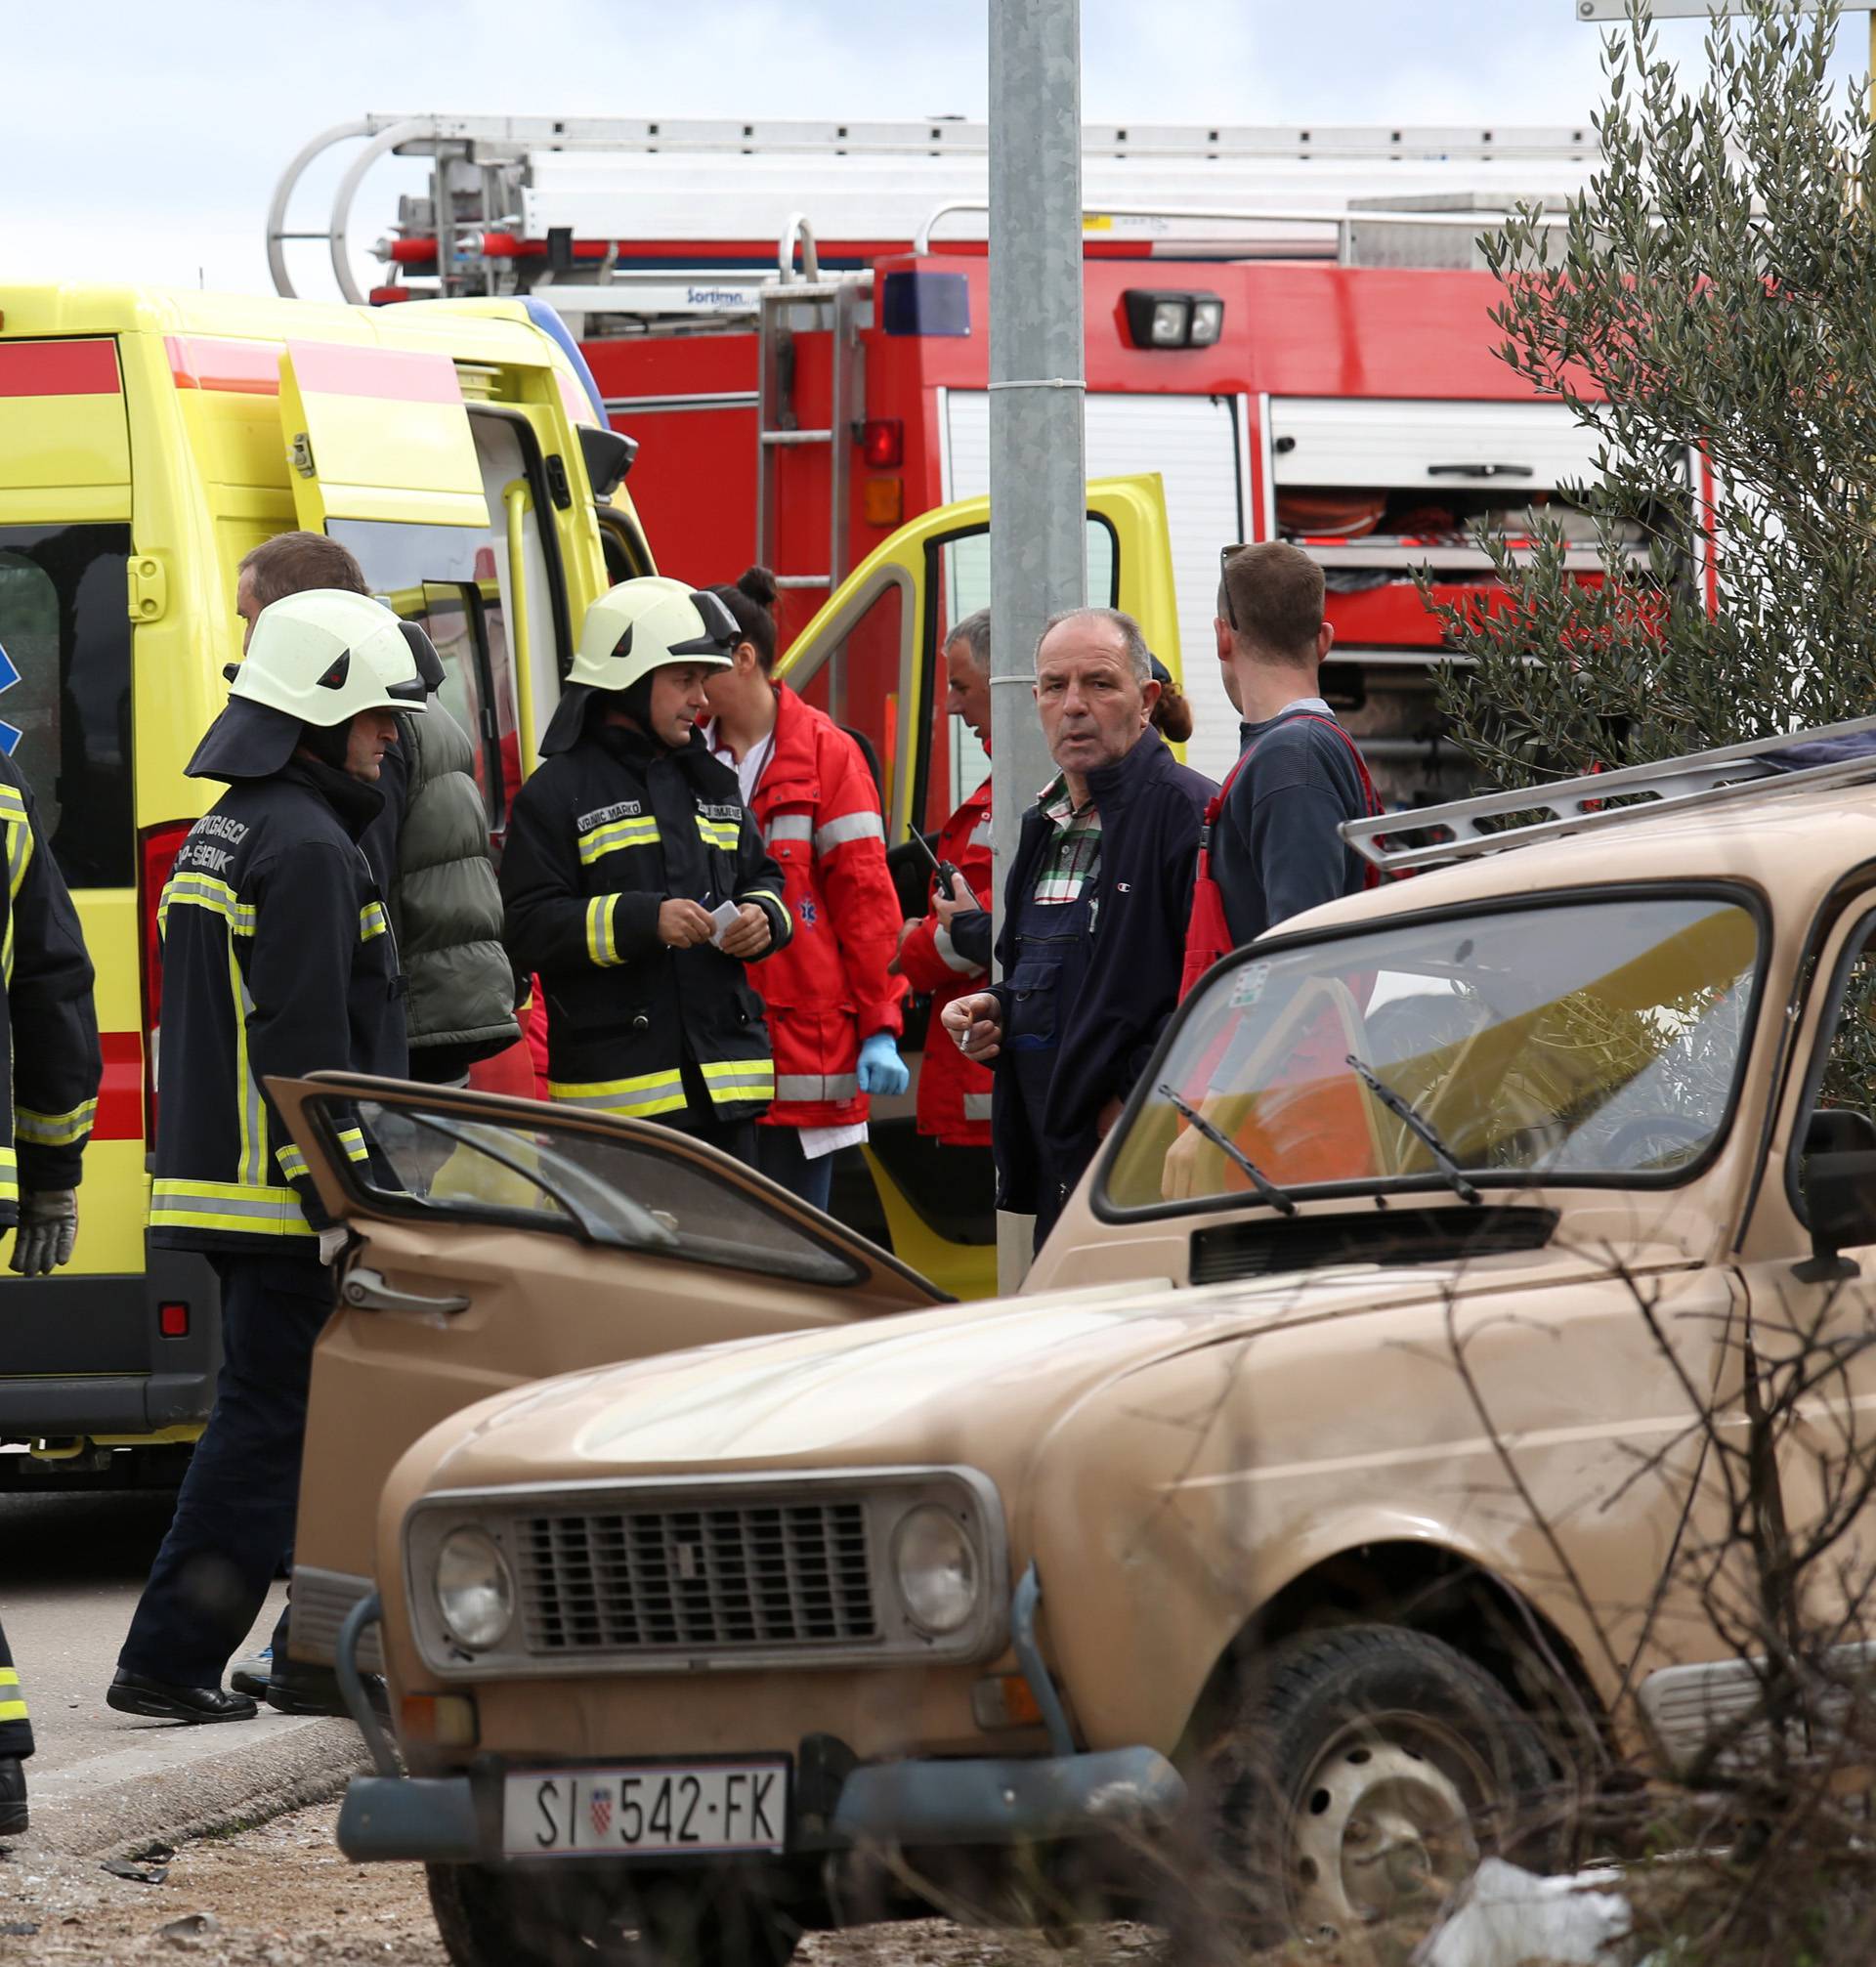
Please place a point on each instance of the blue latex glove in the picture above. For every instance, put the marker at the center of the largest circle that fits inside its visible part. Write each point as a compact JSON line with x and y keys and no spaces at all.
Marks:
{"x":881,"y":1069}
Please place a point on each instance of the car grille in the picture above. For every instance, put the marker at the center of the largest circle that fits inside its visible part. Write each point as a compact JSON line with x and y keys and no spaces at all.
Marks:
{"x":748,"y":1575}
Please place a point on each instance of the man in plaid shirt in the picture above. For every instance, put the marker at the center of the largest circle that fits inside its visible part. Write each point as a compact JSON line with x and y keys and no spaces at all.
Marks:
{"x":1093,"y":932}
{"x":1073,"y":856}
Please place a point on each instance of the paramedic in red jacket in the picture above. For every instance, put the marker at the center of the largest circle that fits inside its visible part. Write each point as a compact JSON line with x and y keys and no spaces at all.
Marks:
{"x":834,"y":1007}
{"x":947,"y":953}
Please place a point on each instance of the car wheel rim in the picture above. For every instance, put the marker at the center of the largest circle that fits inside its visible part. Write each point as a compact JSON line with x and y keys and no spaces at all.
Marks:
{"x":1383,"y":1829}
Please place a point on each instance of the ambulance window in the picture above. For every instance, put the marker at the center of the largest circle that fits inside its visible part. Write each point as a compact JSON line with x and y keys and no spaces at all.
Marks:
{"x":957,"y":763}
{"x":449,"y":619}
{"x":445,"y":578}
{"x":64,"y":691}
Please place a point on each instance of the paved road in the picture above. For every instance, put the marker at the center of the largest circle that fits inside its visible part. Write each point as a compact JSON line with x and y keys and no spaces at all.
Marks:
{"x":70,"y":1570}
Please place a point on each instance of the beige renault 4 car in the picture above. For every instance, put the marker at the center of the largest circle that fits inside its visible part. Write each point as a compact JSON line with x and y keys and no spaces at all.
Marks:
{"x":1335,"y":1498}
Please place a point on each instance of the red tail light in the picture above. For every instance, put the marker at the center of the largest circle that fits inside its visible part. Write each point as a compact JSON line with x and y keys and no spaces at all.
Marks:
{"x":156,"y":857}
{"x":882,"y":442}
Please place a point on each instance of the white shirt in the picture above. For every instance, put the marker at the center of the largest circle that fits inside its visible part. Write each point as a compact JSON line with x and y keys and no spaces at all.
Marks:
{"x":751,"y":766}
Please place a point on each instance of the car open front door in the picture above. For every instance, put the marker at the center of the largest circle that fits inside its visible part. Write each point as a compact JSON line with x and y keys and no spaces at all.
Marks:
{"x":1805,"y":1483}
{"x":874,"y":660}
{"x":500,"y":1241}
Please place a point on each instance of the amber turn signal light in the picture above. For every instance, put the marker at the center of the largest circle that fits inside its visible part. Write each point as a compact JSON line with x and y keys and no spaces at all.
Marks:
{"x":1005,"y":1700}
{"x":443,"y":1720}
{"x":883,"y":501}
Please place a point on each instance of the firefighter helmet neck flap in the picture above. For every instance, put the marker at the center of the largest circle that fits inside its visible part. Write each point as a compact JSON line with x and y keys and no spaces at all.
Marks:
{"x":638,"y":626}
{"x":317,"y":658}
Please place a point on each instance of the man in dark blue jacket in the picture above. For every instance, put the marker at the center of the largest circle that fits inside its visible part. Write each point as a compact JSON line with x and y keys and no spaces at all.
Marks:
{"x":1276,"y":848}
{"x":1094,"y":914}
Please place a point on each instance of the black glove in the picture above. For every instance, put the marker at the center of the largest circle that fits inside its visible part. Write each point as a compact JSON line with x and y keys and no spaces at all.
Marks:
{"x":48,"y":1228}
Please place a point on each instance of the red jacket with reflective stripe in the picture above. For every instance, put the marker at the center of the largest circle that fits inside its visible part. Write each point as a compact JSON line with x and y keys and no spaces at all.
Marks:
{"x":953,"y":1094}
{"x":819,"y":811}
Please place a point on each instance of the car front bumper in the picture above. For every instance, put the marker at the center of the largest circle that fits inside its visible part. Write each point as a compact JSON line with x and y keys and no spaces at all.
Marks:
{"x":992,"y":1801}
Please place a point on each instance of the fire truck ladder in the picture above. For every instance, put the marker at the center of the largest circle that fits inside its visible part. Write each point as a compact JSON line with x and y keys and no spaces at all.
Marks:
{"x":788,"y":307}
{"x":1729,"y":776}
{"x":482,"y":169}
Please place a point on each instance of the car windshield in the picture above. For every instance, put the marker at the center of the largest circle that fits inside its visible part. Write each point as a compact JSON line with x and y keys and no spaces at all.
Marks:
{"x":1595,"y":1041}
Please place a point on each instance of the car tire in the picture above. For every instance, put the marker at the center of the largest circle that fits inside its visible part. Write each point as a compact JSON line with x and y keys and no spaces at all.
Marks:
{"x":1358,"y":1778}
{"x":513,"y":1919}
{"x":707,"y":1922}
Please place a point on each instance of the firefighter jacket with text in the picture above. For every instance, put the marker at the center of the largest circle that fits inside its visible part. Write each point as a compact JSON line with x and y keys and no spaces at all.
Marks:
{"x":278,"y":960}
{"x":954,"y":1092}
{"x":599,"y":838}
{"x":819,"y":810}
{"x":48,"y":1027}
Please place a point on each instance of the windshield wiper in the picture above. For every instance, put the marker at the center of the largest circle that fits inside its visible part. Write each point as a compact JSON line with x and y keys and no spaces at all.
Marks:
{"x":1260,"y":1181}
{"x":1409,"y":1116}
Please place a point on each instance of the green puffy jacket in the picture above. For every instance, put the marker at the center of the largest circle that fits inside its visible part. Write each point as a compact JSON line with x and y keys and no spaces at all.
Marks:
{"x":445,"y":906}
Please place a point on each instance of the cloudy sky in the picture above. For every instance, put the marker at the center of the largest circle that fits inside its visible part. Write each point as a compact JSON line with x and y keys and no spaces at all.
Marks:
{"x":144,"y":146}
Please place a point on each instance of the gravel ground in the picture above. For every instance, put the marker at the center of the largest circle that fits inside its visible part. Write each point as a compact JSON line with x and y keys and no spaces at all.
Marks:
{"x":279,"y":1895}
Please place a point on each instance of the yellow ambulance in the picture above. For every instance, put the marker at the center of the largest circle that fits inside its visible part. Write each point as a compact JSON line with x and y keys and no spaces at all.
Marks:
{"x":460,"y":448}
{"x":148,"y":439}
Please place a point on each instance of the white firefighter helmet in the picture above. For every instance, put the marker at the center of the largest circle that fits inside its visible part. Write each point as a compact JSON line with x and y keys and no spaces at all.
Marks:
{"x":323,"y":655}
{"x":630,"y":631}
{"x":317,"y":657}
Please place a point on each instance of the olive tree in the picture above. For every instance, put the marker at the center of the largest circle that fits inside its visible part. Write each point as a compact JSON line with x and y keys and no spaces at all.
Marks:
{"x":1707,"y":307}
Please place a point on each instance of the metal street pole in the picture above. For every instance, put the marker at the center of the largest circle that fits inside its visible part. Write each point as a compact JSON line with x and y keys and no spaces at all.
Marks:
{"x":1038,"y":476}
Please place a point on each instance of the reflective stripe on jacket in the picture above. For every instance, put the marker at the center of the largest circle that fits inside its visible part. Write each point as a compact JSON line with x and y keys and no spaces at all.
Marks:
{"x":953,"y":1093}
{"x":600,"y":837}
{"x":48,"y":1027}
{"x":819,"y":811}
{"x":277,"y":961}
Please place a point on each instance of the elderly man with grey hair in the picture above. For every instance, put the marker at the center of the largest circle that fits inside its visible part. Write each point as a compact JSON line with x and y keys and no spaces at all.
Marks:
{"x":1095,"y":912}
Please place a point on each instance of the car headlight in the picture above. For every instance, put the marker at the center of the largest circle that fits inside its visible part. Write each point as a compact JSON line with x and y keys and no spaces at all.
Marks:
{"x":475,"y":1591}
{"x":936,"y":1567}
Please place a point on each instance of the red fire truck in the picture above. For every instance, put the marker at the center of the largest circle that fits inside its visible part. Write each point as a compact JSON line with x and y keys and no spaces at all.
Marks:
{"x":1289,"y":328}
{"x":1292,"y":328}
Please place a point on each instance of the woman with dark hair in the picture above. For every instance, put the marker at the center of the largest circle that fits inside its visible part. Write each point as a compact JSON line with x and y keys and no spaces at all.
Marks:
{"x":833,"y":1009}
{"x":1173,"y":713}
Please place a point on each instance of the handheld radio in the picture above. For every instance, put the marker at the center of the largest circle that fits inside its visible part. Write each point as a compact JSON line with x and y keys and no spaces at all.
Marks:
{"x":946,"y":870}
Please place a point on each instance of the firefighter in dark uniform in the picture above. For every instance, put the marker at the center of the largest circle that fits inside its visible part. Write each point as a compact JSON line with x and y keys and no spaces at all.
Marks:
{"x":277,"y":959}
{"x":620,"y":851}
{"x":49,"y":1033}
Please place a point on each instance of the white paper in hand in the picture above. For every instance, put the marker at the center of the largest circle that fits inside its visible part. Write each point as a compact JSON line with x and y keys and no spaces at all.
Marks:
{"x":726,"y":915}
